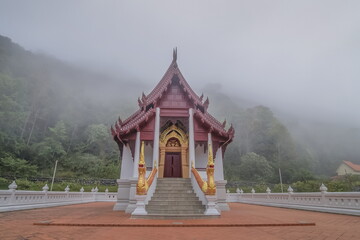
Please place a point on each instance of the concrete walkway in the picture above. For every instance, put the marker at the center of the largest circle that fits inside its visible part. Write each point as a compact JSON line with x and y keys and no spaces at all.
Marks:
{"x":239,"y":223}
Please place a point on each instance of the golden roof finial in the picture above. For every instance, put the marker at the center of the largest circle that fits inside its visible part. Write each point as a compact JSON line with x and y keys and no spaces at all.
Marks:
{"x":175,"y":54}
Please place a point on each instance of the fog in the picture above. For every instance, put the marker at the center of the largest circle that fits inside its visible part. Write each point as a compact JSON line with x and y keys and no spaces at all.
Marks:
{"x":298,"y":57}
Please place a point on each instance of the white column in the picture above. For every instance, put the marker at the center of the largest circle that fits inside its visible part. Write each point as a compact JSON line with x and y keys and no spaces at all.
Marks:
{"x":220,"y":182}
{"x":209,"y":139}
{"x":126,"y":163}
{"x":123,"y":195}
{"x":219,"y":169}
{"x":191,"y":139}
{"x":156,"y":137}
{"x":136,"y":155}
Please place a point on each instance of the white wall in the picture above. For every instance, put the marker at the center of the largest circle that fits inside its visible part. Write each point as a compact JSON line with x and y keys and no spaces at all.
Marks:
{"x":201,"y":157}
{"x":127,"y":163}
{"x":148,"y":155}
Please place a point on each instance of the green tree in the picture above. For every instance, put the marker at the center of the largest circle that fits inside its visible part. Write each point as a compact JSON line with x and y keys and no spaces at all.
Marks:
{"x":255,"y":167}
{"x":15,"y":167}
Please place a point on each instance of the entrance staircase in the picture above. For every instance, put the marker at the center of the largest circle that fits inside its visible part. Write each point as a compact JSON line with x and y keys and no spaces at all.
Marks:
{"x":174,"y":198}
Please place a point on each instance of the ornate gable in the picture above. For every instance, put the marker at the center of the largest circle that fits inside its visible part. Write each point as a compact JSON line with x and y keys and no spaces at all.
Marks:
{"x":174,"y":97}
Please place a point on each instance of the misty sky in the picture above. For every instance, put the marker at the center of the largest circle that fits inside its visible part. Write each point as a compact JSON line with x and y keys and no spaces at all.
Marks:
{"x":297,"y":56}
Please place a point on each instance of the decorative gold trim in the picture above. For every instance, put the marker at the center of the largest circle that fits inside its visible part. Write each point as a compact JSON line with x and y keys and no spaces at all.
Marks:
{"x":211,"y":187}
{"x":143,"y":184}
{"x":173,"y":132}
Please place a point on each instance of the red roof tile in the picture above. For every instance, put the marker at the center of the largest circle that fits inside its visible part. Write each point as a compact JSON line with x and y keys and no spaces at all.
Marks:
{"x":353,"y":166}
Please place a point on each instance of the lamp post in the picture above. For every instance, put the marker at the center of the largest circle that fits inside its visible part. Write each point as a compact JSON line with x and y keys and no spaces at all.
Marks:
{"x":52,"y":182}
{"x":282,"y":190}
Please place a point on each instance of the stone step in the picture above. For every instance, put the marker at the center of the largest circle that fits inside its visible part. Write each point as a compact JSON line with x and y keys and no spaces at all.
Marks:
{"x":174,"y":207}
{"x":173,"y":183}
{"x":163,"y":184}
{"x":174,"y":187}
{"x":165,"y":204}
{"x":176,"y":193}
{"x":180,"y":199}
{"x":174,"y":179}
{"x":174,"y":198}
{"x":172,"y":191}
{"x":174,"y":202}
{"x":169,"y":187}
{"x":174,"y":216}
{"x":199,"y":211}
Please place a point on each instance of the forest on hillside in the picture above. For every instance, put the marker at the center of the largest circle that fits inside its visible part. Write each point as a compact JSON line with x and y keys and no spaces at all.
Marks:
{"x":50,"y":110}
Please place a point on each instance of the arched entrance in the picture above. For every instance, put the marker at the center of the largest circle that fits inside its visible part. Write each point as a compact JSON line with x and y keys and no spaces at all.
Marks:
{"x":173,"y":153}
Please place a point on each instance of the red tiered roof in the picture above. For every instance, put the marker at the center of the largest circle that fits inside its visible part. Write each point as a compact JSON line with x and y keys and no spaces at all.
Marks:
{"x":148,"y":103}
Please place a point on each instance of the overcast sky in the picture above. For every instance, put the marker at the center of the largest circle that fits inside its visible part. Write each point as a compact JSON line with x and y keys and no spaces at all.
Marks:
{"x":298,"y":56}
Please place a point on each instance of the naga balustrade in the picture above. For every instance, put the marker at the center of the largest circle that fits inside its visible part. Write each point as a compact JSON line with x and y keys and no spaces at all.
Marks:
{"x":209,"y":186}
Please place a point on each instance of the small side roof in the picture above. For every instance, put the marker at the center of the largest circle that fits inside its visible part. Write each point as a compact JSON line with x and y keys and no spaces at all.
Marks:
{"x":353,"y":166}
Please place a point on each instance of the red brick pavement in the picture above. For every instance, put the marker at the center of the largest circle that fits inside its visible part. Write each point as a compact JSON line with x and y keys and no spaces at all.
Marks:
{"x":19,"y":225}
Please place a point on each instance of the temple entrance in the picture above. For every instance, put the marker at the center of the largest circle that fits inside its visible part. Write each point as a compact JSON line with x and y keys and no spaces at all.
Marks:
{"x":173,"y":153}
{"x":172,"y":165}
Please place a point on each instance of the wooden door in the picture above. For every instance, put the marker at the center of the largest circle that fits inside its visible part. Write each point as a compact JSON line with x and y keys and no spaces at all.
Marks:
{"x":172,"y":166}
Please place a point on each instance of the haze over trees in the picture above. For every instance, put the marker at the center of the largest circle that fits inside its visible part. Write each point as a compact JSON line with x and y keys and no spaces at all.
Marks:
{"x":50,"y":110}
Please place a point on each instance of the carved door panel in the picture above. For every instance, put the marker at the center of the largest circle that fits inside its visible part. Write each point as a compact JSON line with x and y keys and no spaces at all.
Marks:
{"x":168,"y":165}
{"x":172,"y":166}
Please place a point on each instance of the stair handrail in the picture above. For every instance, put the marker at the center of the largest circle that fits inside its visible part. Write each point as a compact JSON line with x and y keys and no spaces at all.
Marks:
{"x":202,"y":184}
{"x":144,"y":184}
{"x":152,"y":175}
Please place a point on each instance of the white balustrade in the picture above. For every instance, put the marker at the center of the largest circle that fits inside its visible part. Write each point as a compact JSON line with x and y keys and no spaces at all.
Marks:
{"x":13,"y":199}
{"x":337,"y":202}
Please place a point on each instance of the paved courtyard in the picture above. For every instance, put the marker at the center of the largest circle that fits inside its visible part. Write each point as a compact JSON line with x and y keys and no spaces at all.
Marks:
{"x":20,"y":224}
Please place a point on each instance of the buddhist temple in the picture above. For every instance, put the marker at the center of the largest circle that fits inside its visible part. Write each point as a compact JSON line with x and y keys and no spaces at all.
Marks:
{"x":172,"y":153}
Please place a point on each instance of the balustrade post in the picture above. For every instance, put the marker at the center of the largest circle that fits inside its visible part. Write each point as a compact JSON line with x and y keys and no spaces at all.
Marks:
{"x":290,"y":191}
{"x":12,"y":187}
{"x":237,"y":194}
{"x":96,"y":190}
{"x":252,"y":192}
{"x":82,"y":193}
{"x":323,"y":190}
{"x":45,"y":190}
{"x":67,"y":189}
{"x":268,"y":191}
{"x":93,"y":193}
{"x":106,"y":193}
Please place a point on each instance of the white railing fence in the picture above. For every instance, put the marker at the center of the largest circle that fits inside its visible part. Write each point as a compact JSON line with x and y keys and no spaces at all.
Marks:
{"x":13,"y":199}
{"x":335,"y":202}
